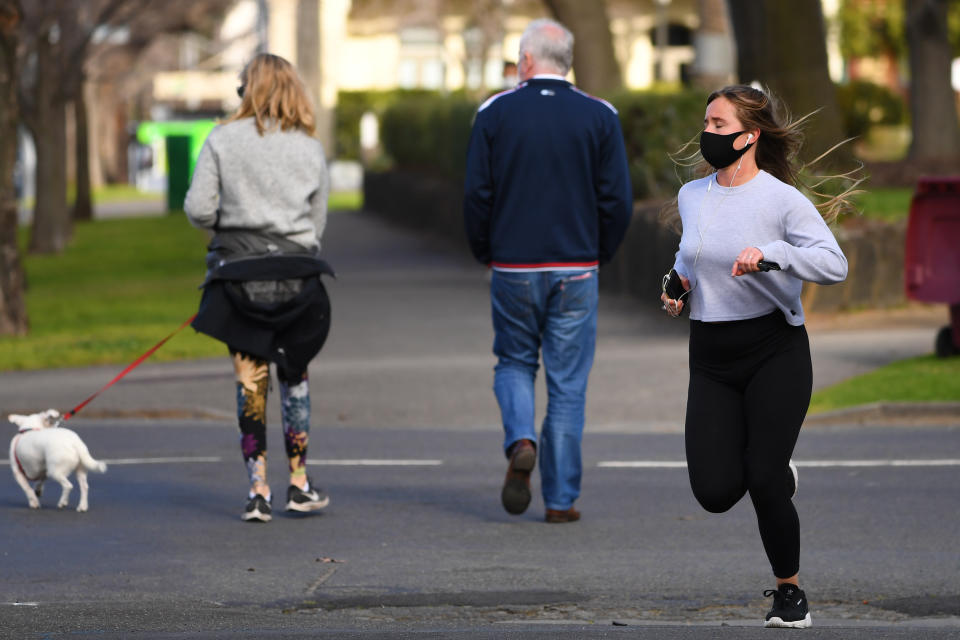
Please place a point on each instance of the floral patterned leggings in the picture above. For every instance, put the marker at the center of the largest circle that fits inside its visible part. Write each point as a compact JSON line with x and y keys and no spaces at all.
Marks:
{"x":253,"y":382}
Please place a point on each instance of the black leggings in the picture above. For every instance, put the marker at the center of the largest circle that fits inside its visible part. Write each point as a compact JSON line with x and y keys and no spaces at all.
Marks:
{"x":750,"y":383}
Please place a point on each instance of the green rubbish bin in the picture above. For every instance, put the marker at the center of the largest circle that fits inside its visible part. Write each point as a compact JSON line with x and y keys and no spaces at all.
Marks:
{"x":178,"y":171}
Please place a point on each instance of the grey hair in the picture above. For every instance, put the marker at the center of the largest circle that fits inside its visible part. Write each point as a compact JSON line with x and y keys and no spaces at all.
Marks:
{"x":550,"y":43}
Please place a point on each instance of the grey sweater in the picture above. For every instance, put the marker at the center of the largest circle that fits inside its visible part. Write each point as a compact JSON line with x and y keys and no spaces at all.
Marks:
{"x":719,"y":222}
{"x":275,"y":183}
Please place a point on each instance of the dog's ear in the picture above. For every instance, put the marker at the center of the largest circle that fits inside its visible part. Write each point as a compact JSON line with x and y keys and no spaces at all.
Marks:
{"x":16,"y":419}
{"x":51,"y":418}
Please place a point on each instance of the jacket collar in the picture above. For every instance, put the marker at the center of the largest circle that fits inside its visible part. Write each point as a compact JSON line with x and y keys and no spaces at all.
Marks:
{"x":549,"y":77}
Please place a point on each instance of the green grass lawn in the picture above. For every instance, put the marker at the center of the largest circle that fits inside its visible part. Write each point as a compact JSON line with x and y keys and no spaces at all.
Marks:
{"x":922,"y":379}
{"x":338,"y":201}
{"x":120,"y":287}
{"x":887,"y":203}
{"x":107,"y":193}
{"x":345,"y":201}
{"x":120,"y":193}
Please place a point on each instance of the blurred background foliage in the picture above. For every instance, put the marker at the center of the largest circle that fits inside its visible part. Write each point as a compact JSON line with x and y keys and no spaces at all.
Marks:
{"x":429,"y":131}
{"x":877,"y":28}
{"x":865,"y":105}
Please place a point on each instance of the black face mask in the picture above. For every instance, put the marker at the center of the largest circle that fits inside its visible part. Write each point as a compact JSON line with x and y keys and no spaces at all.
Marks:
{"x":718,"y":149}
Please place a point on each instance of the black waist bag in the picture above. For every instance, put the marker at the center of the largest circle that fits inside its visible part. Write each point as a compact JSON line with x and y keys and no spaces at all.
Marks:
{"x":274,"y":307}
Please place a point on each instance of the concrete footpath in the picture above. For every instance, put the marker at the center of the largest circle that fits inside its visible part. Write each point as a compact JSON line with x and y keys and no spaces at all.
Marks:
{"x":406,"y":438}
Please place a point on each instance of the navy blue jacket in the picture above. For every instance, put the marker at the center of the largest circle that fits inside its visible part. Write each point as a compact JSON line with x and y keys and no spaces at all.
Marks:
{"x":547,"y":184}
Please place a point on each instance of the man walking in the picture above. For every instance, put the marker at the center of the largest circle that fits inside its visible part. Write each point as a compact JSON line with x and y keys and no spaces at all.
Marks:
{"x":547,"y":199}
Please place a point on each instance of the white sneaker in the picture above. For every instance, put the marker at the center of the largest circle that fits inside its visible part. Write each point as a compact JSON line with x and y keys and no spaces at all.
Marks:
{"x":796,"y":479}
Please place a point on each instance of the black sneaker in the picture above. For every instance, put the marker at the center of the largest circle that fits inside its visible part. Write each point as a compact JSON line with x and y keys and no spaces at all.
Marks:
{"x":789,"y":608}
{"x":311,"y":500}
{"x":258,"y":510}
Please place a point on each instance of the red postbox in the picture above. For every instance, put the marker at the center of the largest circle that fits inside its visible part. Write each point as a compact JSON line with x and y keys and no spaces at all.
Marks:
{"x":932,"y":256}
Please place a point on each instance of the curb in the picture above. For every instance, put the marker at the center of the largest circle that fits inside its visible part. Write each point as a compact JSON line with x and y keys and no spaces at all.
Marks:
{"x":932,"y":413}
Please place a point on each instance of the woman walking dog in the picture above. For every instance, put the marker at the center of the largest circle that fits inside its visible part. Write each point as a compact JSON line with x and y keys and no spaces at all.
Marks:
{"x":750,"y":368}
{"x":261,"y":185}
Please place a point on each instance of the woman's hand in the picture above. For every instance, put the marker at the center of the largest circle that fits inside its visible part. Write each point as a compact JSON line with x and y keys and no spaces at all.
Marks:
{"x":671,"y":306}
{"x":747,"y":261}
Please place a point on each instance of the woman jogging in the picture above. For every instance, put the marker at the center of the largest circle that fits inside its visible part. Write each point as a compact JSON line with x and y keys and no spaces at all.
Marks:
{"x":261,"y":185}
{"x":750,"y":368}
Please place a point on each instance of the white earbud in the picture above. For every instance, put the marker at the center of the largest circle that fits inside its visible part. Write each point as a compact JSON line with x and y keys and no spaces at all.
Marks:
{"x":749,"y":137}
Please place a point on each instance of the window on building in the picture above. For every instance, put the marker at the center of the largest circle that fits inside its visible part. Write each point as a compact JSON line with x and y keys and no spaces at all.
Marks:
{"x":678,"y":35}
{"x":421,"y":58}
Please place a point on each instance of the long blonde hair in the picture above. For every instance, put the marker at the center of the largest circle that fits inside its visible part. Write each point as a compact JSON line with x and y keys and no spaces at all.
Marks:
{"x":274,"y":95}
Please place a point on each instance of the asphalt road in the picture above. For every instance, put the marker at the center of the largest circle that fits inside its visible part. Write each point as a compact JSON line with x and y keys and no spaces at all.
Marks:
{"x":420,"y":542}
{"x":415,"y":543}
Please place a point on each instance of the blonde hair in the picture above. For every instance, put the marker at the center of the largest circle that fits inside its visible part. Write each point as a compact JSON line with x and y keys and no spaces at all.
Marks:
{"x":778,"y":152}
{"x":274,"y":95}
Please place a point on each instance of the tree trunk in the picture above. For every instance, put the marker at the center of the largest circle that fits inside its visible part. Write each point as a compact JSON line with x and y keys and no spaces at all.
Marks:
{"x":119,"y":170}
{"x":713,"y":46}
{"x":308,"y":47}
{"x":13,"y":308}
{"x":83,"y":206}
{"x":936,"y":133}
{"x":783,"y":46}
{"x":51,"y":215}
{"x":594,"y":62}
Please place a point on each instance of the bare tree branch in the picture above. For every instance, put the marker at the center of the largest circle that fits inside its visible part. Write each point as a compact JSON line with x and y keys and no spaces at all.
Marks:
{"x":56,"y":43}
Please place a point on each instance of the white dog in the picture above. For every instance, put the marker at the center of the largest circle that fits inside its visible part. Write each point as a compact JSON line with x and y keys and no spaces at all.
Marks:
{"x":42,"y":450}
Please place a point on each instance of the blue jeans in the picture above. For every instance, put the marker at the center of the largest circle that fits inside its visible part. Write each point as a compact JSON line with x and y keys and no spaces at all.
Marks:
{"x":555,"y":310}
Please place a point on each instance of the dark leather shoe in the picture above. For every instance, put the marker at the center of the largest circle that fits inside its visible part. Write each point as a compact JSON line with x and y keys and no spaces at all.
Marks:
{"x":515,"y":495}
{"x":567,"y":515}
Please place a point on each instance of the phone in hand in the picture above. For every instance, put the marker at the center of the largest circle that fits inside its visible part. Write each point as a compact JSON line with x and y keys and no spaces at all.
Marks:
{"x":768,"y":265}
{"x":673,"y":287}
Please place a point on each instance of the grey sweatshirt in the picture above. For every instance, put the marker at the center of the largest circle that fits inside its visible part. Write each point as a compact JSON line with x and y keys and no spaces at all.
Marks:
{"x":276,"y":183}
{"x":719,"y":222}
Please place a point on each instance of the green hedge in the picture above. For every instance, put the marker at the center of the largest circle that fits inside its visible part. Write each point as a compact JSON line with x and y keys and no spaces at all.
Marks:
{"x":655,"y":127}
{"x":864,"y":104}
{"x":431,"y":132}
{"x":351,"y":105}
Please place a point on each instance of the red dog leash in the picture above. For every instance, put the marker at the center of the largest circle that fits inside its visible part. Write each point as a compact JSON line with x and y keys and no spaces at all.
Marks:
{"x":133,"y":365}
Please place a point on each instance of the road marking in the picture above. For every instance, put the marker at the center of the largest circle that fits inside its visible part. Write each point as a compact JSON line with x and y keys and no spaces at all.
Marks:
{"x":151,"y":460}
{"x":666,"y":464}
{"x":606,"y":464}
{"x":642,"y":464}
{"x":944,"y":462}
{"x":362,"y":462}
{"x":371,"y":462}
{"x":163,"y":460}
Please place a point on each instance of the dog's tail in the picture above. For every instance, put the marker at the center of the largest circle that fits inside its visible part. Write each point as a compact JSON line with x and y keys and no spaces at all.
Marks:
{"x":87,"y":461}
